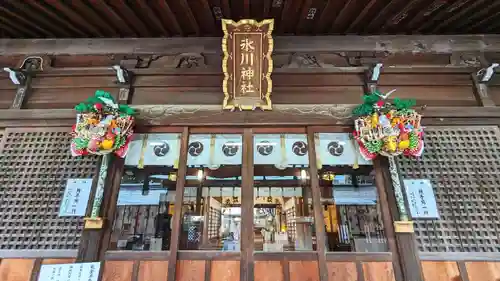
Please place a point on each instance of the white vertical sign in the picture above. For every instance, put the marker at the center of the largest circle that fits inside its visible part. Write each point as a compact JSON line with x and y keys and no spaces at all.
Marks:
{"x":70,"y":272}
{"x":75,"y":199}
{"x":421,"y":200}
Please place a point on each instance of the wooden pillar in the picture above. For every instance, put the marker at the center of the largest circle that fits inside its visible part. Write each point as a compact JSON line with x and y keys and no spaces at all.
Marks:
{"x":247,"y":204}
{"x":179,"y":196}
{"x":405,"y":239}
{"x":387,"y":216}
{"x":94,"y":242}
{"x":319,"y":221}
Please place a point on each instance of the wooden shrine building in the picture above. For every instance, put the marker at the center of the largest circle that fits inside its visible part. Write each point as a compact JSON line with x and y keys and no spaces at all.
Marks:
{"x":278,"y":193}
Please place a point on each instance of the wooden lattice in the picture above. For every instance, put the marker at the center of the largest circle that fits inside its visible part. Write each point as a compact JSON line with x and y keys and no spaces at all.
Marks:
{"x":34,"y":167}
{"x":463,"y":164}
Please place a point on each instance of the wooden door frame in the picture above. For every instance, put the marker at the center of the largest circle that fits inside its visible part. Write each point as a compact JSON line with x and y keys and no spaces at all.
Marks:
{"x":247,"y":255}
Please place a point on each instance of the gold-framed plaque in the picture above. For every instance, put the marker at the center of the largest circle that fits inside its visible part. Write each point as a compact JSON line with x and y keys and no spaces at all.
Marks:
{"x":247,"y":64}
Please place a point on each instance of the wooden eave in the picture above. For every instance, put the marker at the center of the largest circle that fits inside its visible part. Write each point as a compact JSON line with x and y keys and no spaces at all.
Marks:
{"x":98,"y":18}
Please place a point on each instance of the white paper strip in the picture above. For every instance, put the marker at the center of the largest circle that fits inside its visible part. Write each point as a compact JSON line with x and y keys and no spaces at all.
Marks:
{"x":70,"y":272}
{"x":75,"y":198}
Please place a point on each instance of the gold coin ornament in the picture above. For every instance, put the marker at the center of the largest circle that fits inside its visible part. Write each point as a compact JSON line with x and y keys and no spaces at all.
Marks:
{"x":387,"y":128}
{"x":102,"y":126}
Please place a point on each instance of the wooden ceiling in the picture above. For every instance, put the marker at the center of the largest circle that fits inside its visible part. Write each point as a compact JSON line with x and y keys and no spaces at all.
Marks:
{"x":167,"y":18}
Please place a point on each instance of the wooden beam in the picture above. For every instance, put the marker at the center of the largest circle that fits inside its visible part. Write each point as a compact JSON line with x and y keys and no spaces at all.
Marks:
{"x":212,"y":115}
{"x":283,"y":44}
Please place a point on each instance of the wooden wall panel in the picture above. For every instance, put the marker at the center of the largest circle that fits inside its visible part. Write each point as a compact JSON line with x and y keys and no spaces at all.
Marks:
{"x":268,"y":271}
{"x":304,"y":270}
{"x":190,"y":270}
{"x":6,"y":83}
{"x":342,"y":271}
{"x":117,"y":271}
{"x":16,"y":269}
{"x":425,"y":79}
{"x":61,"y":98}
{"x":153,"y":270}
{"x":378,"y":271}
{"x":280,"y":95}
{"x":494,"y":93}
{"x":54,"y":82}
{"x":435,"y":95}
{"x":441,"y":271}
{"x":57,"y":261}
{"x":225,"y":271}
{"x":6,"y":98}
{"x":483,"y":271}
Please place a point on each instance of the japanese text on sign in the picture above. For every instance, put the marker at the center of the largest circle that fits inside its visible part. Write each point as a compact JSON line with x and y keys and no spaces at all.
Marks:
{"x":76,"y":197}
{"x":70,"y":272}
{"x":421,"y":200}
{"x":247,"y":64}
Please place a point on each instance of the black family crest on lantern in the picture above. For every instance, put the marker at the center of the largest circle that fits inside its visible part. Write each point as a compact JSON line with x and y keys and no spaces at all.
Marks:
{"x":230,"y":148}
{"x":299,"y":148}
{"x":335,"y":148}
{"x":195,"y":148}
{"x":161,"y":149}
{"x":265,"y":148}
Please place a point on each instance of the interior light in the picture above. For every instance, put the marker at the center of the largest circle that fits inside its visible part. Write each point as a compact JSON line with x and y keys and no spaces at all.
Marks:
{"x":303,"y":174}
{"x":200,"y":174}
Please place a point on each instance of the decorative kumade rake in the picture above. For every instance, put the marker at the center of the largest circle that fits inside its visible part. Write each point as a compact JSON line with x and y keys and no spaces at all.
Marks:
{"x":102,"y":127}
{"x":389,"y":129}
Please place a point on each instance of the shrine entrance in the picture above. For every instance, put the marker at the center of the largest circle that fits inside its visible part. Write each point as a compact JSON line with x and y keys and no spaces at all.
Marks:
{"x":248,"y":197}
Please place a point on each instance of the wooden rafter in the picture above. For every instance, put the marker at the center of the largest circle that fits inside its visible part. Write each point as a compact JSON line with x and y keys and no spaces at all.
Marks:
{"x":120,"y":18}
{"x":169,"y":19}
{"x":422,"y":14}
{"x":151,"y":16}
{"x":465,"y":10}
{"x":406,"y":9}
{"x":339,"y":22}
{"x":24,"y":20}
{"x":208,"y":19}
{"x":190,"y":16}
{"x":94,"y":18}
{"x":114,"y":18}
{"x":40,"y":6}
{"x":20,"y":28}
{"x":70,"y":13}
{"x":478,"y":17}
{"x":246,"y":8}
{"x":380,"y":16}
{"x":39,"y":20}
{"x":482,"y":22}
{"x":303,"y":16}
{"x":132,"y":18}
{"x":226,"y":8}
{"x":361,"y":16}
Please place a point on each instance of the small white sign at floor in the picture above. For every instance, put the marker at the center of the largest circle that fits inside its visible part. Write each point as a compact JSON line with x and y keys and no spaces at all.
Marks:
{"x":421,"y":200}
{"x":76,"y":197}
{"x":70,"y":272}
